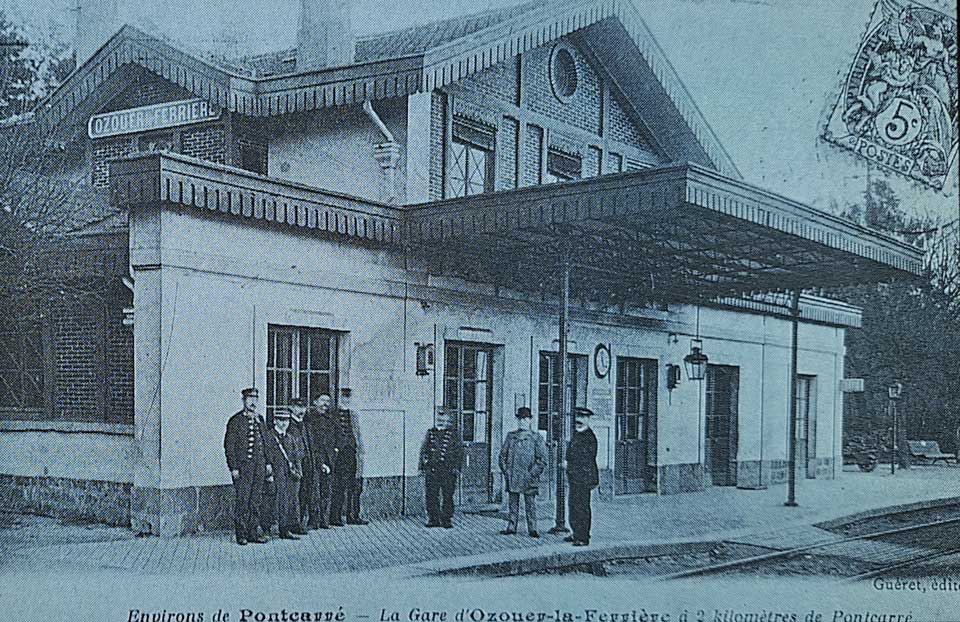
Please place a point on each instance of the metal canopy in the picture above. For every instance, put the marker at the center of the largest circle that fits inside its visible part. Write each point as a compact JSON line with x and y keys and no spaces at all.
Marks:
{"x":675,"y":233}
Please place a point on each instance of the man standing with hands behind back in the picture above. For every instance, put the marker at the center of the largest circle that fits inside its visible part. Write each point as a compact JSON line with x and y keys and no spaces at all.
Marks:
{"x":523,"y":457}
{"x":582,"y":476}
{"x":244,"y":444}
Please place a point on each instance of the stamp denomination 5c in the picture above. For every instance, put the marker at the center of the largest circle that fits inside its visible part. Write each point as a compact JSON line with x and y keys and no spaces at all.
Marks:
{"x":898,"y":104}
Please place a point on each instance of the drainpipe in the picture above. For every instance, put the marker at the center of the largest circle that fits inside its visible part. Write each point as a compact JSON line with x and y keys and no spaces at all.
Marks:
{"x":387,"y":155}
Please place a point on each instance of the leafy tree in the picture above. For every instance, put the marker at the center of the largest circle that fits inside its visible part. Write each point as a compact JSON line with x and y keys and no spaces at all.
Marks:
{"x":911,"y":331}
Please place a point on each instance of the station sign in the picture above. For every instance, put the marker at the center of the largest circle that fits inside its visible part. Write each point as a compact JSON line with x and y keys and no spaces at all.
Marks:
{"x":155,"y":117}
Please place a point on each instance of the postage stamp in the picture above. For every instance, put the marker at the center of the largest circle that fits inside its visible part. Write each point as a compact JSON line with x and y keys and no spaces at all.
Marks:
{"x":898,"y":106}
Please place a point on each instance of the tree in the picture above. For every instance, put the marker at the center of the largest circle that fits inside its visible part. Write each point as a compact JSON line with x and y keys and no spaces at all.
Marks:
{"x":911,"y":331}
{"x":44,"y":197}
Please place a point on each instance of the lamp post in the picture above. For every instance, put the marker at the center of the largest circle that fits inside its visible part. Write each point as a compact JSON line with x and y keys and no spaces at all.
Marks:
{"x":894,"y":392}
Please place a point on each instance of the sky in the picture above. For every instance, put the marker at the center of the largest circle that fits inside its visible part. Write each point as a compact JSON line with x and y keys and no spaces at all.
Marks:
{"x":765,"y":74}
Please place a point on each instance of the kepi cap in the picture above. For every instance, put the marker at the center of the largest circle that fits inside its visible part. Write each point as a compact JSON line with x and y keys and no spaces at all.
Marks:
{"x":281,"y":413}
{"x":524,"y":413}
{"x":250,"y":392}
{"x":581,"y":412}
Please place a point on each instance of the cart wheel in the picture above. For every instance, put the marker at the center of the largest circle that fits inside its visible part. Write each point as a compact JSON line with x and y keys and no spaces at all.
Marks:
{"x":867,"y":467}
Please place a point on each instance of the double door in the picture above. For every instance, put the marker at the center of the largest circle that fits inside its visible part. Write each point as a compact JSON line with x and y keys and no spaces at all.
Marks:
{"x":468,"y":396}
{"x":549,"y":419}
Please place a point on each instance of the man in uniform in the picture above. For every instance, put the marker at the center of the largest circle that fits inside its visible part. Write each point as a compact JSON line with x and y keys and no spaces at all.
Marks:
{"x":285,"y":452}
{"x":244,"y":445}
{"x":440,"y":459}
{"x":323,"y":432}
{"x":346,"y":488}
{"x":523,"y":457}
{"x":582,"y":476}
{"x":298,"y":409}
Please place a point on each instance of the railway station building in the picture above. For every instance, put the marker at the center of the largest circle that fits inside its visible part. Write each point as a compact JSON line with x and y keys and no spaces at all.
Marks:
{"x":413,"y":215}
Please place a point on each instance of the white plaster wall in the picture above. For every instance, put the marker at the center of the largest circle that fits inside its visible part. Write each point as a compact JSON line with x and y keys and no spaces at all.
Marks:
{"x":71,"y":455}
{"x":224,"y":280}
{"x":333,"y":149}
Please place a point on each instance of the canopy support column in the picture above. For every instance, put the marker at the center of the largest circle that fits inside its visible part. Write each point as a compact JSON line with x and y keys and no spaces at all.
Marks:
{"x":792,"y":436}
{"x":560,"y":525}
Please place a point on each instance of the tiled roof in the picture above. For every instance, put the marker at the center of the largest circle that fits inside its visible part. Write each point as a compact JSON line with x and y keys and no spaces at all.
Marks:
{"x":395,"y":44}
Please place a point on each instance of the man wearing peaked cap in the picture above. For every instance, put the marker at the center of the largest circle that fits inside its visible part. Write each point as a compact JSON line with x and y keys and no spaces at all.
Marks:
{"x":244,"y":444}
{"x":582,"y":476}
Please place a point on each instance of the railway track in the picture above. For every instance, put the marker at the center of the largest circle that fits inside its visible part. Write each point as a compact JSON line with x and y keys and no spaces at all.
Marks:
{"x":887,"y":552}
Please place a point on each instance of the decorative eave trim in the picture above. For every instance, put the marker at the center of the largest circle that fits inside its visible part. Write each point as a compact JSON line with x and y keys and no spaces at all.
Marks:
{"x":650,"y":191}
{"x":812,"y":309}
{"x":130,"y":45}
{"x":466,"y":56}
{"x":707,"y":189}
{"x":163,"y":178}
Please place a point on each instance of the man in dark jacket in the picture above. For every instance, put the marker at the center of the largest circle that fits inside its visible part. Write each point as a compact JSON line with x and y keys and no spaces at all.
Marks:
{"x":244,"y":444}
{"x":440,"y":459}
{"x":346,"y":491}
{"x":285,"y":453}
{"x":298,"y":410}
{"x":324,"y":434}
{"x":582,"y":476}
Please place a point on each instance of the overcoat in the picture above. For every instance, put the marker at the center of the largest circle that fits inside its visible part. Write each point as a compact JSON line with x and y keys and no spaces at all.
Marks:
{"x":523,"y":457}
{"x":582,"y":460}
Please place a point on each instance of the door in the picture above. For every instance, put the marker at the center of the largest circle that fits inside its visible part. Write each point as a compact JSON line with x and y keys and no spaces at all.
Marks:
{"x":636,"y":407}
{"x":548,"y":415}
{"x":807,"y":426}
{"x":467,"y":396}
{"x":723,"y":393}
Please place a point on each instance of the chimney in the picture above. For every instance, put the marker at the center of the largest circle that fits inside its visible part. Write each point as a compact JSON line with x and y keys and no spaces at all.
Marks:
{"x":325,"y":35}
{"x":97,"y":21}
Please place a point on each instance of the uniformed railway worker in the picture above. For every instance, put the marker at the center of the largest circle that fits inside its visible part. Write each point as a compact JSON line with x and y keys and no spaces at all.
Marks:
{"x":523,"y":457}
{"x":298,"y":410}
{"x":441,"y":457}
{"x":324,"y":434}
{"x":244,"y":445}
{"x":582,"y":476}
{"x":284,"y":451}
{"x":346,"y":489}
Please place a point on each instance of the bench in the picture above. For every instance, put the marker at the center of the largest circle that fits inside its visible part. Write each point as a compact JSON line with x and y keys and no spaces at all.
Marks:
{"x":928,"y":452}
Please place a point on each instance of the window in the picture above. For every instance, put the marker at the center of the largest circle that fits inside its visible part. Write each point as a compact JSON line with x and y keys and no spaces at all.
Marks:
{"x":614,"y":163}
{"x":471,"y":158}
{"x":636,"y":392}
{"x":805,"y":405}
{"x":301,"y":362}
{"x":563,"y":73}
{"x":468,"y":389}
{"x":562,"y":166}
{"x":22,"y":383}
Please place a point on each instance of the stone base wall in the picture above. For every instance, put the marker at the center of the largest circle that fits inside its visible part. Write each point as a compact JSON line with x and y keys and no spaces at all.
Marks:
{"x":676,"y":478}
{"x":73,"y":499}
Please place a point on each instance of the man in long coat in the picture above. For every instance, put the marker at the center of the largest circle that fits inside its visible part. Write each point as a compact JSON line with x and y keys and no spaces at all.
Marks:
{"x":285,"y":453}
{"x":244,"y":444}
{"x":523,"y":457}
{"x":298,"y":410}
{"x":582,"y":476}
{"x":441,"y":457}
{"x":325,"y":436}
{"x":345,"y":497}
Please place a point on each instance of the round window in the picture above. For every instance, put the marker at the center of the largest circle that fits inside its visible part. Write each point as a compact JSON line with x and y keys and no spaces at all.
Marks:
{"x":563,"y":73}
